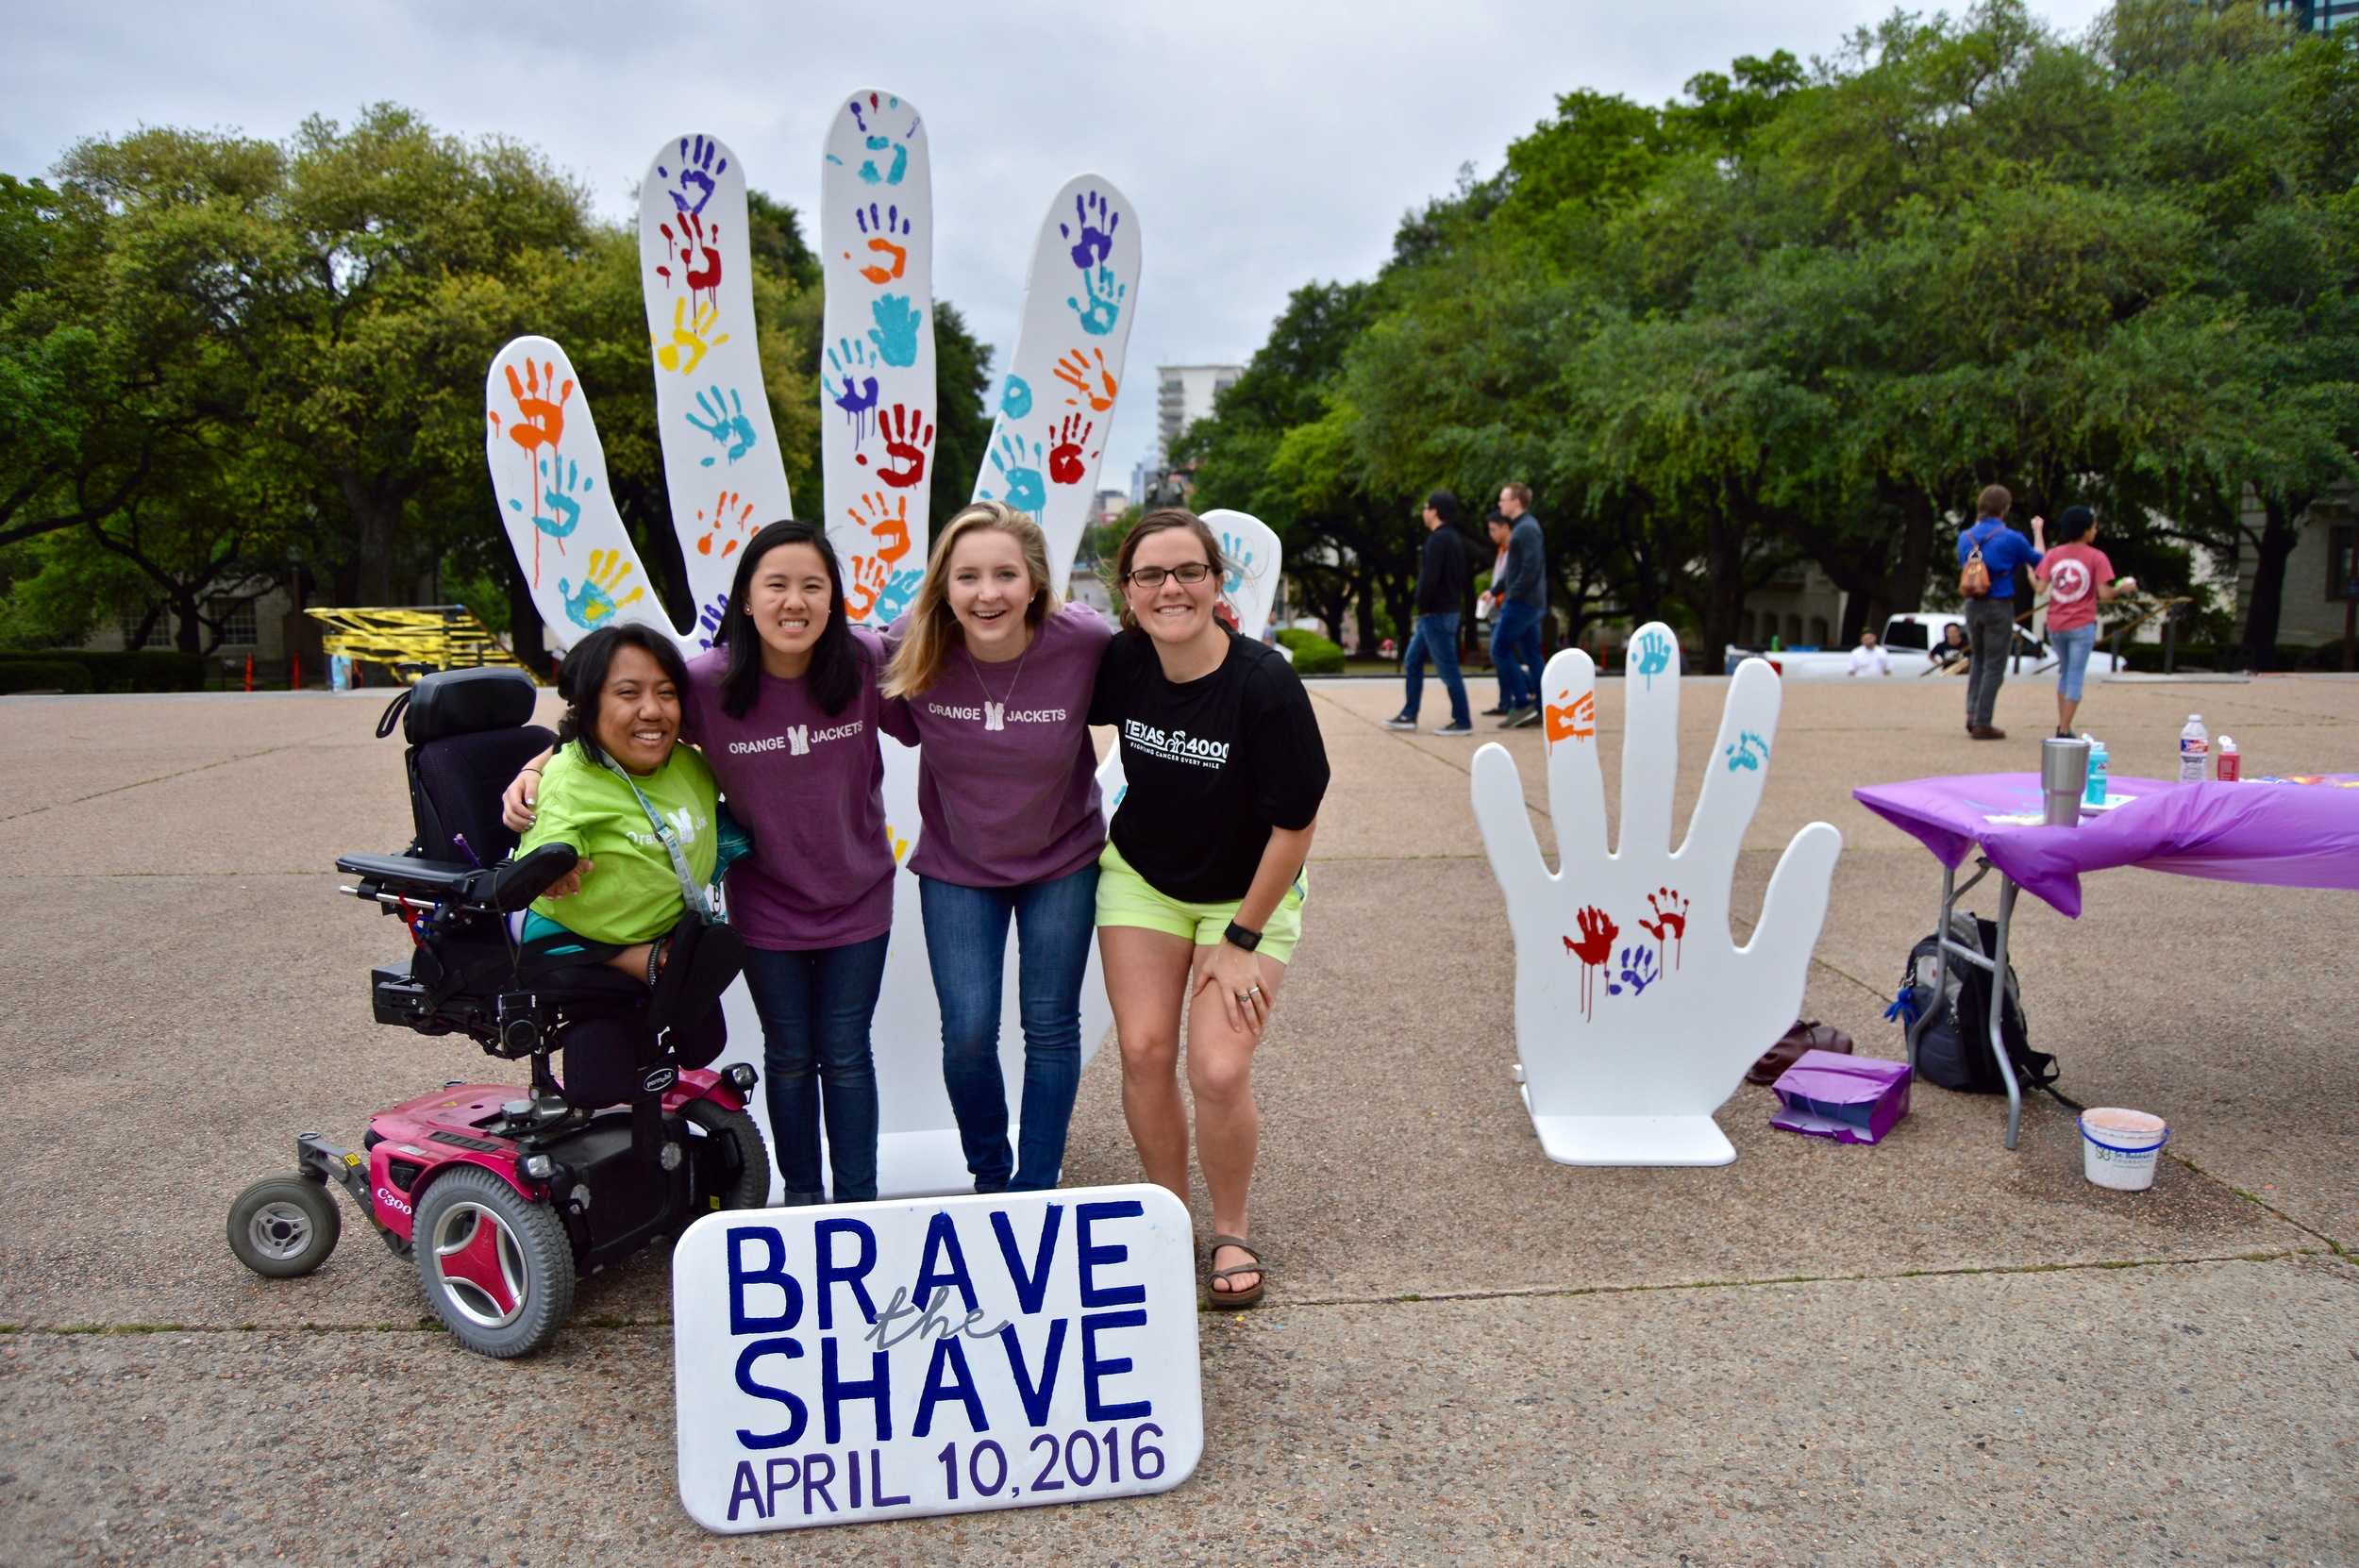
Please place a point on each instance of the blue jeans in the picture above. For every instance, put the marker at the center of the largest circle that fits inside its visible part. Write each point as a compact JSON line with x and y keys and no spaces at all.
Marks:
{"x":966,"y":942}
{"x":816,"y":1007}
{"x":1516,"y":653}
{"x":1436,"y":637}
{"x":2072,"y":657}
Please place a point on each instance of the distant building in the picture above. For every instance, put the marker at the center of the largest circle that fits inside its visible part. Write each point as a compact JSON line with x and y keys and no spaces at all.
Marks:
{"x":1184,"y":394}
{"x":2314,"y":16}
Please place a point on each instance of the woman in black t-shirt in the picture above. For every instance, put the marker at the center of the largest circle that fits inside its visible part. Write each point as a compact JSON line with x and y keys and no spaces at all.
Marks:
{"x":1201,"y":884}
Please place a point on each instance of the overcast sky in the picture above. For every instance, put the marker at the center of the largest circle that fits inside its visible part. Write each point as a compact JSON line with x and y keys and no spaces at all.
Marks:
{"x":1262,"y":143}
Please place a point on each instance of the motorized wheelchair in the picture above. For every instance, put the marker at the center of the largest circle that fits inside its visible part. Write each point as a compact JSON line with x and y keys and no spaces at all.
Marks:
{"x":502,"y":1199}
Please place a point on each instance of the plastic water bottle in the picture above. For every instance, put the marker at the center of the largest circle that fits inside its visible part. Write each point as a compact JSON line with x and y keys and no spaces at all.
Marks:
{"x":2095,"y":794}
{"x":2195,"y":750}
{"x":2231,"y":763}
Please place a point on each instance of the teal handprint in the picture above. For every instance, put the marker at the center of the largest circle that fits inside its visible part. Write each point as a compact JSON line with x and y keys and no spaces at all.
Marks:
{"x":898,"y":164}
{"x":1015,"y":398}
{"x":1105,"y":298}
{"x":724,"y":421}
{"x":561,"y":479}
{"x":897,"y":596}
{"x":1025,"y":489}
{"x":1750,"y":751}
{"x":1654,"y":656}
{"x":1240,"y":561}
{"x":895,"y":332}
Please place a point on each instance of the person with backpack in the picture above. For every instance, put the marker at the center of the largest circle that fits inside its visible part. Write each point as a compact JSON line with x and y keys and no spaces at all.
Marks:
{"x":1988,"y":553}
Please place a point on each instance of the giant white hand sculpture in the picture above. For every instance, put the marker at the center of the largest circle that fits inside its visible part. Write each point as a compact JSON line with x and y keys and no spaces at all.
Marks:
{"x":1636,"y":1013}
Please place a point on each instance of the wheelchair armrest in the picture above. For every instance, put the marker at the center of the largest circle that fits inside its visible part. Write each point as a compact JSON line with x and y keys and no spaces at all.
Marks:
{"x":506,"y":887}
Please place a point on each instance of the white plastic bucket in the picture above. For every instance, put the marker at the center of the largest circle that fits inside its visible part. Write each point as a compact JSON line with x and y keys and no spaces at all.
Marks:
{"x":2119,"y":1148}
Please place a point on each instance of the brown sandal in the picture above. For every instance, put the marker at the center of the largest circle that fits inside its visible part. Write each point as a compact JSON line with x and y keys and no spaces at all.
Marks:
{"x":1231,"y":1301}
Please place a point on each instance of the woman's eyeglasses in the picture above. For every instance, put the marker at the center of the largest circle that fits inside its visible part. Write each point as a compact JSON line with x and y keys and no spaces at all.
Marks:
{"x":1150,"y":577}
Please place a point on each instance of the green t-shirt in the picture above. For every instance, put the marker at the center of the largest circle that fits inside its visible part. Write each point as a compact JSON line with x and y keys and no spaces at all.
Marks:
{"x":631,"y":894}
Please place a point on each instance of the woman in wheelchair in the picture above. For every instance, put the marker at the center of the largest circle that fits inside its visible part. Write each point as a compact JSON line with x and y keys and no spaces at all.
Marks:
{"x":643,"y":812}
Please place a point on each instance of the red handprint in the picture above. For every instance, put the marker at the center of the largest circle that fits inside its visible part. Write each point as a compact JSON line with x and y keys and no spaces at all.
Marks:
{"x":1670,"y":916}
{"x":906,"y":437}
{"x":685,"y":236}
{"x":1064,"y":459}
{"x":729,"y":502}
{"x":1596,"y":945}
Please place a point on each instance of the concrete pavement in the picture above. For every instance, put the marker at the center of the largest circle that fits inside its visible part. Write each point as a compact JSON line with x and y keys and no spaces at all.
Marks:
{"x":1928,"y":1351}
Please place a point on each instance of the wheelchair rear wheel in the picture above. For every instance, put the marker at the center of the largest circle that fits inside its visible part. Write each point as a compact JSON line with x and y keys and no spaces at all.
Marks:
{"x":495,"y":1266}
{"x":284,"y":1227}
{"x":732,"y":1164}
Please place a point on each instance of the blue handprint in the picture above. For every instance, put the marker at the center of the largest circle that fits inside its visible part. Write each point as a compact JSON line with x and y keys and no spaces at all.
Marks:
{"x":1025,"y":489}
{"x":1096,"y":220}
{"x":708,"y":619}
{"x":1240,"y":561}
{"x":1742,"y":755}
{"x":724,"y":421}
{"x":1638,"y":972}
{"x":696,"y":173}
{"x":877,"y":143}
{"x":858,"y":400}
{"x":1654,"y":656}
{"x":895,"y":332}
{"x":1105,"y":298}
{"x":1015,"y":398}
{"x":560,"y":479}
{"x":896,"y":597}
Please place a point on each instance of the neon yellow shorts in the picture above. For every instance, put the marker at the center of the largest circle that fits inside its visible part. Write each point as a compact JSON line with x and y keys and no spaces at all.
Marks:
{"x":1126,"y":898}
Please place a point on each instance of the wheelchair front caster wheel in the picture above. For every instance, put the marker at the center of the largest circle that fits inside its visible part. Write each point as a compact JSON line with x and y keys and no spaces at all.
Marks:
{"x":495,"y":1266}
{"x":284,"y":1227}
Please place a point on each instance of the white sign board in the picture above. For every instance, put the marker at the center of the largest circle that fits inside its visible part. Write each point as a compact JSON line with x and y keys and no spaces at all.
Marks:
{"x":1636,"y":1013}
{"x":879,"y":1360}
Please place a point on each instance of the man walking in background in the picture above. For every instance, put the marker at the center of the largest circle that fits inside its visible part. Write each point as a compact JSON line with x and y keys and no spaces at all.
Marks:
{"x":1988,"y":553}
{"x":1441,"y":582}
{"x":1522,"y":599}
{"x":1487,"y":609}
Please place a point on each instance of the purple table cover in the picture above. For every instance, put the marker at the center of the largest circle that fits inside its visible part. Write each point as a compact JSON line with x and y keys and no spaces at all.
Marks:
{"x":2285,"y":834}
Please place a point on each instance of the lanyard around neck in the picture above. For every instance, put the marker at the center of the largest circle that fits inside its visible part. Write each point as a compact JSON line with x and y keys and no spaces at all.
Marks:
{"x":669,"y":838}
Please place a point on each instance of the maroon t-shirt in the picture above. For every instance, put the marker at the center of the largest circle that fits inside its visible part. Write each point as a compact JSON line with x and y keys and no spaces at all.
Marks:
{"x":810,"y":787}
{"x":1007,"y":780}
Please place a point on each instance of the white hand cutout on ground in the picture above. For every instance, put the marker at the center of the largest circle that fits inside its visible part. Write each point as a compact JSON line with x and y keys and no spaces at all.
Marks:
{"x":1636,"y":1013}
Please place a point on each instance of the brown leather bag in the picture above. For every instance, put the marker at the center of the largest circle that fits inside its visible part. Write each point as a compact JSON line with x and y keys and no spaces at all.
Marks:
{"x":1804,"y":1036}
{"x":1974,"y":576}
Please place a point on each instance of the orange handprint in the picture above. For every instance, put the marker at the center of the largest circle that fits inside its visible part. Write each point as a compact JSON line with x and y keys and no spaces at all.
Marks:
{"x":1577,"y":722}
{"x":727,"y":501}
{"x":867,"y":579}
{"x":539,"y":421}
{"x":1075,"y":372}
{"x":887,"y":520}
{"x":1064,"y":458}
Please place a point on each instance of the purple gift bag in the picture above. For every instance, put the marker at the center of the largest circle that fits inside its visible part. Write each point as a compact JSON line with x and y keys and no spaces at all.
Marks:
{"x":1849,"y":1099}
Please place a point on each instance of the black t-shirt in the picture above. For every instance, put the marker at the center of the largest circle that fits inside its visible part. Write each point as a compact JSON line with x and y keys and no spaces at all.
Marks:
{"x":1213,"y":764}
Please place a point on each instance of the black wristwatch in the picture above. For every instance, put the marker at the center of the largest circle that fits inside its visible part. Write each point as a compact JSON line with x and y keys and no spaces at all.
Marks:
{"x":1238,"y":935}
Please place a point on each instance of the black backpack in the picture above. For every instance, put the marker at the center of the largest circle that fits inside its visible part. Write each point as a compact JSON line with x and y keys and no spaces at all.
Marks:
{"x":1955,"y":1050}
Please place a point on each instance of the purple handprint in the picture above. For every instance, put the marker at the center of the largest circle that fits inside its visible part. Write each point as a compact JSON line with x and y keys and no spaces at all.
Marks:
{"x":708,"y":619}
{"x":1639,"y":971}
{"x":1096,"y":220}
{"x":696,"y":173}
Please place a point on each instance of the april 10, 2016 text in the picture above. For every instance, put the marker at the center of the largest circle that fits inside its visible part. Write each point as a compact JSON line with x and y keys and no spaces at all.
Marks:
{"x":1062,"y":1468}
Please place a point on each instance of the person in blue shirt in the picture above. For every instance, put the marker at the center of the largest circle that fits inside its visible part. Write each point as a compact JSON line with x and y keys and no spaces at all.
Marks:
{"x":1990,"y":618}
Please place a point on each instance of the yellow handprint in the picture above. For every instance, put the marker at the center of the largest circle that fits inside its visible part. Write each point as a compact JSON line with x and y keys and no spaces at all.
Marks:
{"x":900,"y":846}
{"x":595,"y":602}
{"x":1075,"y":372}
{"x":689,"y":344}
{"x":887,"y":520}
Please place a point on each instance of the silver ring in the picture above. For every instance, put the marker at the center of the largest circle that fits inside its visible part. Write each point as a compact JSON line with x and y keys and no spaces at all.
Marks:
{"x":1253,"y":991}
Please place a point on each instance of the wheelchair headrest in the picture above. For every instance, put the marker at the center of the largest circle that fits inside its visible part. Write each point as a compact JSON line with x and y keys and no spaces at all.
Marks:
{"x":462,"y":701}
